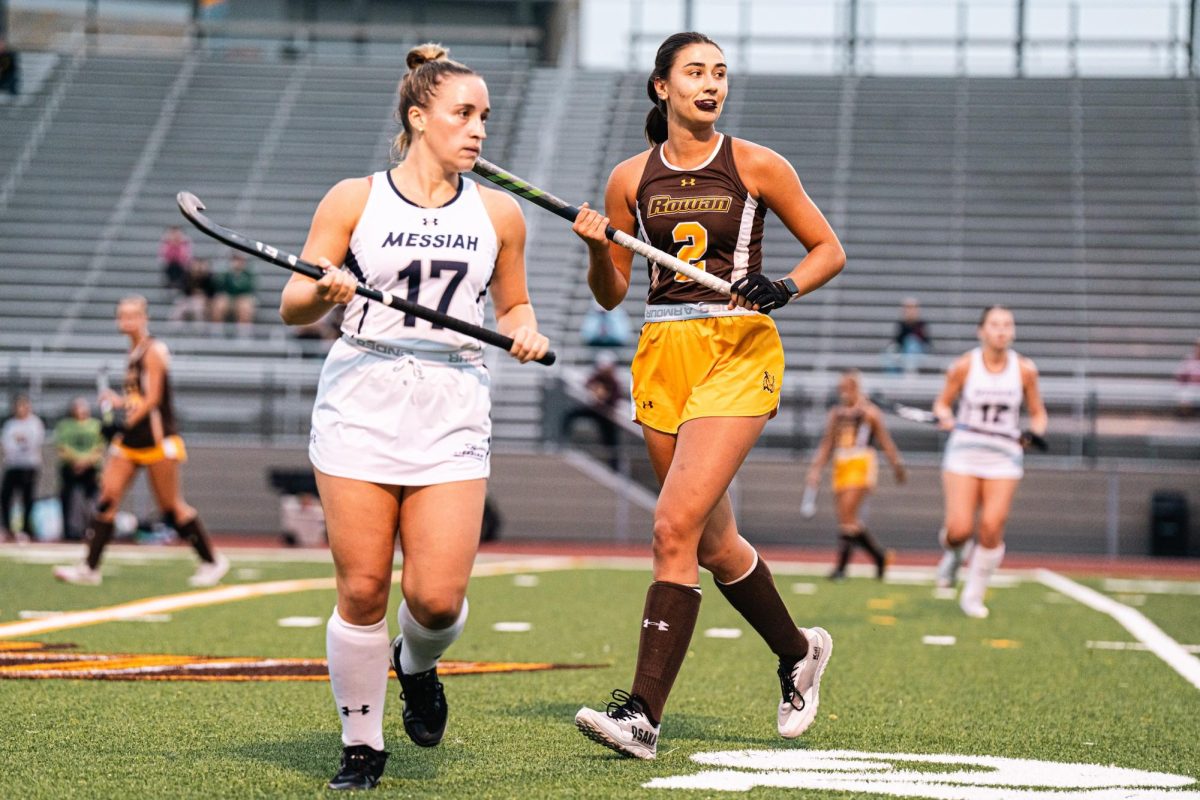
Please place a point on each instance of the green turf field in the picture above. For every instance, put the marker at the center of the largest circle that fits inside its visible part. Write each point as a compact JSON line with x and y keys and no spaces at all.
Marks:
{"x":1022,"y":684}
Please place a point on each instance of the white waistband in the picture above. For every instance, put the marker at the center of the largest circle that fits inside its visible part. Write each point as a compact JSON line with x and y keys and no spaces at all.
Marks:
{"x":464,"y":356}
{"x":672,"y":312}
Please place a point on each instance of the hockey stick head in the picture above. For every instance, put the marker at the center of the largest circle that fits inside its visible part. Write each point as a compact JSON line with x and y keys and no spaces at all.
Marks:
{"x":190,"y":205}
{"x":913,"y":414}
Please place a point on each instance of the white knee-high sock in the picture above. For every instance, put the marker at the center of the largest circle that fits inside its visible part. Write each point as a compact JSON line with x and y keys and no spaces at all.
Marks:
{"x":984,"y":562}
{"x":424,"y":646}
{"x":358,"y":674}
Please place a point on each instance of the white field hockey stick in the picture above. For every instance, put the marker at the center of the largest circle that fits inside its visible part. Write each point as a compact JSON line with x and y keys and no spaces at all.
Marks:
{"x":522,"y":188}
{"x":192,"y":208}
{"x":913,"y":414}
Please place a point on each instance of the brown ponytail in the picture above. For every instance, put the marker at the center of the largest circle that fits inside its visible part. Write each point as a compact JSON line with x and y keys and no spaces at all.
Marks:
{"x":428,"y":64}
{"x":656,"y":120}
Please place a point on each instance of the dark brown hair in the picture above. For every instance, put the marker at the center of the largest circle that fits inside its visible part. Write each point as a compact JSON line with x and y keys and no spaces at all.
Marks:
{"x":983,"y":317}
{"x":656,"y":120}
{"x":428,"y":65}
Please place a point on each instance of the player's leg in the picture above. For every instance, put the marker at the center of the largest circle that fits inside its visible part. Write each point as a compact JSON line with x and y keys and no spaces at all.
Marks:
{"x":115,"y":480}
{"x":439,"y":536}
{"x":850,"y":520}
{"x":8,"y":486}
{"x":745,"y":580}
{"x":997,"y":496}
{"x":361,"y":520}
{"x":696,"y":467}
{"x":962,"y":496}
{"x":168,"y":494}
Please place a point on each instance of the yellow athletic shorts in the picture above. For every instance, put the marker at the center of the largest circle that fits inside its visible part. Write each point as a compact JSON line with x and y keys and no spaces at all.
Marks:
{"x":706,"y":367}
{"x":169,"y":449}
{"x":855,"y":469}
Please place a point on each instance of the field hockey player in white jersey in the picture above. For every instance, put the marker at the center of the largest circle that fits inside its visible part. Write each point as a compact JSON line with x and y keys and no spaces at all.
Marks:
{"x":401,"y":424}
{"x":984,"y":456}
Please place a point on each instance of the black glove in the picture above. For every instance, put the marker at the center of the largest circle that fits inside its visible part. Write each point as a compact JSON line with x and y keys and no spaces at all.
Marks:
{"x":761,"y":291}
{"x":1029,"y":439}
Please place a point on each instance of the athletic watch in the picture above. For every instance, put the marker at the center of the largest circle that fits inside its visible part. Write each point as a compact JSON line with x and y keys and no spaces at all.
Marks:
{"x":789,"y":286}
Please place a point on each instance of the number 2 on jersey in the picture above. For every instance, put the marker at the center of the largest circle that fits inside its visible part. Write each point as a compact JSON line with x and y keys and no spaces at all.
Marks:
{"x":694,"y":238}
{"x":412,"y":274}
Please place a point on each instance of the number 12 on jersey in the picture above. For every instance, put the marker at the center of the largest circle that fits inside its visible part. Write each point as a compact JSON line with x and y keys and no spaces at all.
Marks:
{"x":412,"y":274}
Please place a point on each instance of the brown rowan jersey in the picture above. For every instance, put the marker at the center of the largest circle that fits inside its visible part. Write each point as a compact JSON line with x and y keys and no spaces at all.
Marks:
{"x":851,"y":428}
{"x":704,"y":216}
{"x":159,"y":423}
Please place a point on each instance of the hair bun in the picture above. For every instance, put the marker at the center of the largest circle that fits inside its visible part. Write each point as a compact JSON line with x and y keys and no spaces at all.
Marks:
{"x":424,"y":53}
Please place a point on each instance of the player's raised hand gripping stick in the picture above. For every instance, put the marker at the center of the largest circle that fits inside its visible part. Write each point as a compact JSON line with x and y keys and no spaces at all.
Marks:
{"x":193,"y":208}
{"x":522,"y":188}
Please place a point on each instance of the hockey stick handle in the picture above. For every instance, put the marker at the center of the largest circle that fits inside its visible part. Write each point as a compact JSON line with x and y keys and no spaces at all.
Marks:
{"x":928,"y":418}
{"x":193,"y":208}
{"x":555,"y":205}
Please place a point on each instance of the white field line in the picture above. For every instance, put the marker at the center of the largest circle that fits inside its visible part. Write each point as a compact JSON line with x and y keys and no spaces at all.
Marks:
{"x":1133,"y":621}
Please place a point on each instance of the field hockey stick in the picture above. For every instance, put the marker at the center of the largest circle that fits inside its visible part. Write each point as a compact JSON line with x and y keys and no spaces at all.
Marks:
{"x":522,"y":188}
{"x":192,"y":208}
{"x":923,"y":416}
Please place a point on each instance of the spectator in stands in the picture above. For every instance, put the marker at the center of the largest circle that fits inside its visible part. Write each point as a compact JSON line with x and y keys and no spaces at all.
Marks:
{"x":911,"y":342}
{"x":604,"y":390}
{"x":236,"y":291}
{"x":10,"y":73}
{"x":605,"y":327}
{"x":80,"y":446}
{"x":196,"y":296}
{"x":21,"y":439}
{"x":1188,"y":378}
{"x":174,"y":256}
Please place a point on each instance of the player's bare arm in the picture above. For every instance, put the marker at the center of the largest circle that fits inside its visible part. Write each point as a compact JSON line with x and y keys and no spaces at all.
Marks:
{"x":304,"y":300}
{"x":772,"y":179}
{"x":1038,"y":418}
{"x":609,"y":265}
{"x":824,"y":450}
{"x":510,"y":295}
{"x":884,"y":438}
{"x":956,"y":377}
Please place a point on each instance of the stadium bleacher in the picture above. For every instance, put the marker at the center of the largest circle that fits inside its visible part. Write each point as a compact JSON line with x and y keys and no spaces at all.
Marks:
{"x":1073,"y":201}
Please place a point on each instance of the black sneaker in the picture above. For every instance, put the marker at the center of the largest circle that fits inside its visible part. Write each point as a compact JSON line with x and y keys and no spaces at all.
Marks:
{"x":362,"y":765}
{"x":425,"y":708}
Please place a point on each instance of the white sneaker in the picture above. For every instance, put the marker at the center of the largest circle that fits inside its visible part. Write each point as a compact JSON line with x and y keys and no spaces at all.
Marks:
{"x":973,"y":608}
{"x":79,"y":574}
{"x":801,"y":684}
{"x":623,"y":727}
{"x":210,"y":574}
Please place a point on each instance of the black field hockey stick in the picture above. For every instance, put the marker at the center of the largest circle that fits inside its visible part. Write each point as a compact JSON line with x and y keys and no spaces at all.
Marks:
{"x":523,"y":188}
{"x":913,"y":414}
{"x":192,"y":208}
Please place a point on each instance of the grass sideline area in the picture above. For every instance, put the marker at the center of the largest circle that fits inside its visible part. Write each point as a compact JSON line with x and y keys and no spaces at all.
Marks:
{"x":1023,"y":684}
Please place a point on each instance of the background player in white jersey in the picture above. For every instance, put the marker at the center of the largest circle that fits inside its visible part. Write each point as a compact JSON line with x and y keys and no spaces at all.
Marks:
{"x":982,"y":466}
{"x":401,"y":427}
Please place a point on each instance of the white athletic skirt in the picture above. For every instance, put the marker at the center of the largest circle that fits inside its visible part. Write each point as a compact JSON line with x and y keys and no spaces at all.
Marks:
{"x":983,"y":456}
{"x":388,"y":413}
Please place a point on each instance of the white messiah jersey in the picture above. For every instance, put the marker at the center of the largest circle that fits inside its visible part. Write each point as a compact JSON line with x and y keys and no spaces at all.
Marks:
{"x":991,"y":401}
{"x":441,"y":258}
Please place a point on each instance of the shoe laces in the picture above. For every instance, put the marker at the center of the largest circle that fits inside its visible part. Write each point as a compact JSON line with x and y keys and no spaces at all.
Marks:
{"x":787,"y":684}
{"x":624,"y":705}
{"x":423,"y":691}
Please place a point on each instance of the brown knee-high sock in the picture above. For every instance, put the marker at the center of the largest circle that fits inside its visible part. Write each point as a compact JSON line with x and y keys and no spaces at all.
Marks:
{"x":869,"y":543}
{"x":99,"y":534}
{"x":845,"y":548}
{"x":668,"y":620}
{"x":755,"y":597}
{"x":193,"y":533}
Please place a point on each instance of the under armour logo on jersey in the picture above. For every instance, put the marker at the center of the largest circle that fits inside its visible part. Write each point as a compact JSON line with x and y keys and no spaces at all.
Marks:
{"x":687,"y":181}
{"x":661,"y":624}
{"x":427,"y":221}
{"x":347,"y":710}
{"x":647,"y":404}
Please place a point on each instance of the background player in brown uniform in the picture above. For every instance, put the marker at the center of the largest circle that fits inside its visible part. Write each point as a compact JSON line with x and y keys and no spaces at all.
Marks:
{"x":707,"y":374}
{"x":149,"y":438}
{"x":854,"y":425}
